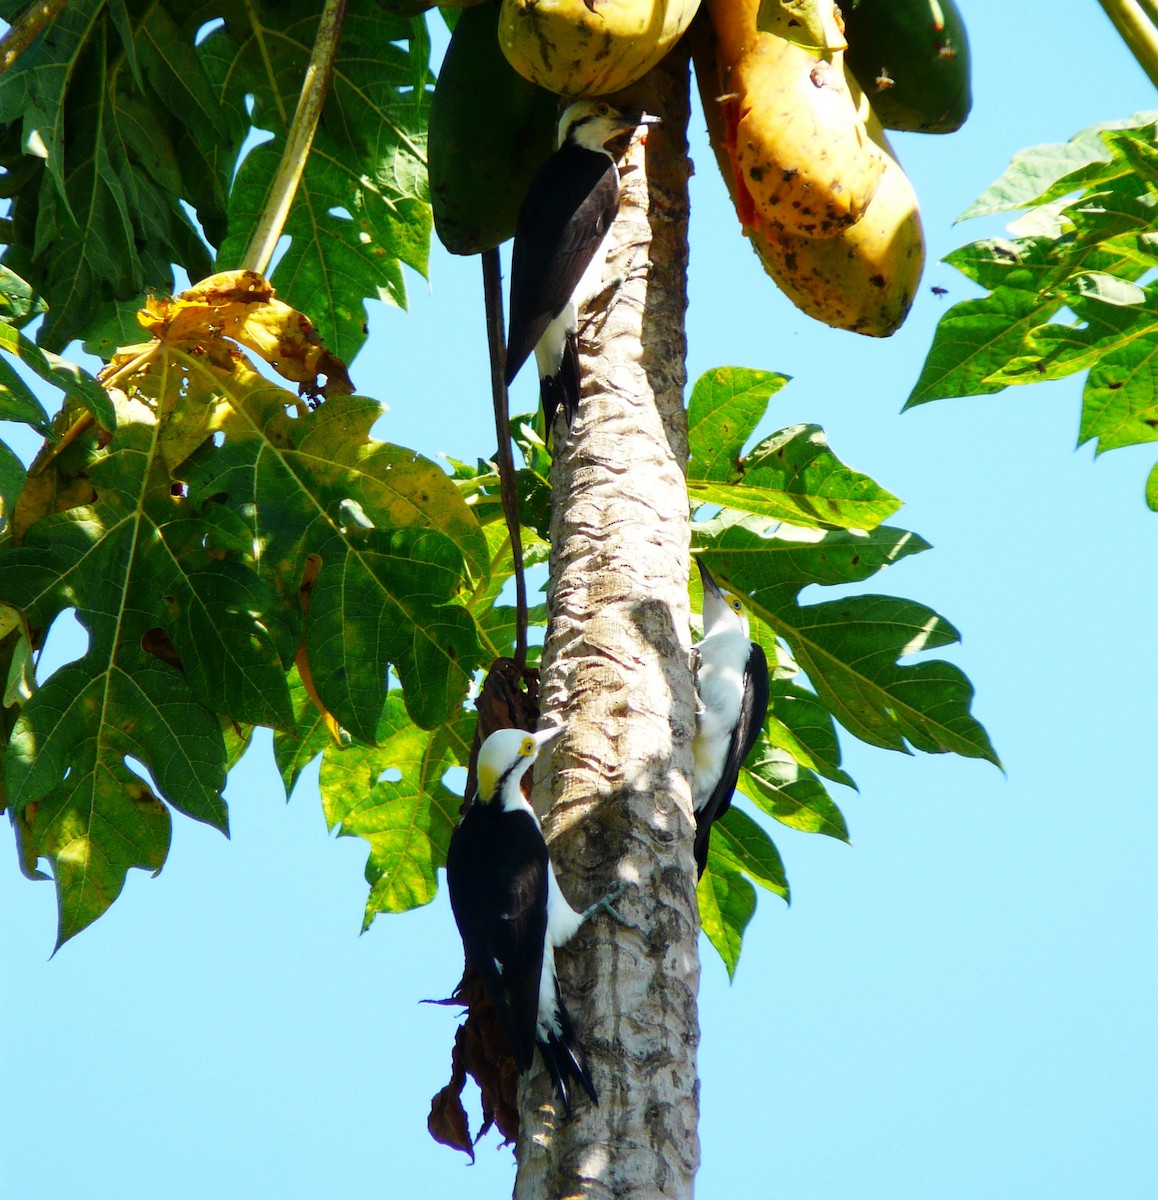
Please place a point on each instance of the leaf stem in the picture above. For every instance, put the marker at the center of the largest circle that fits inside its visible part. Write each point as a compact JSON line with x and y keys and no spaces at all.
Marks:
{"x":300,"y":138}
{"x":52,"y":451}
{"x":493,"y":294}
{"x":1134,"y":20}
{"x":25,"y":30}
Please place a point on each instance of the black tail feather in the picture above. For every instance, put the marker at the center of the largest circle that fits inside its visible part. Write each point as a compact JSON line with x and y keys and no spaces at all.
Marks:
{"x":566,"y":1061}
{"x":561,"y":390}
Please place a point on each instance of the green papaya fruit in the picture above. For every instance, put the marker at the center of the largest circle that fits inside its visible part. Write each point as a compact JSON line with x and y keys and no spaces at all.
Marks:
{"x":490,"y":131}
{"x":911,"y":57}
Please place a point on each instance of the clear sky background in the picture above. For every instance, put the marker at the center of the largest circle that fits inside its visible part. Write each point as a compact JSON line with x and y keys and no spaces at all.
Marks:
{"x":961,"y":1004}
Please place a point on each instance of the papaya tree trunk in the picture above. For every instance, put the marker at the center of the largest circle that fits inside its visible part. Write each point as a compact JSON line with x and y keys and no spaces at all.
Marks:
{"x":616,"y":670}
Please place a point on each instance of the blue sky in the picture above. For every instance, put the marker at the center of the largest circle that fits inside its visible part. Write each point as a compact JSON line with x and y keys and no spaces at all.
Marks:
{"x":960,"y":1004}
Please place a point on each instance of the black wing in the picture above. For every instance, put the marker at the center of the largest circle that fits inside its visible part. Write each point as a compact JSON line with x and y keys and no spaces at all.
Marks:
{"x":565,"y":214}
{"x":496,"y":870}
{"x":753,"y":714}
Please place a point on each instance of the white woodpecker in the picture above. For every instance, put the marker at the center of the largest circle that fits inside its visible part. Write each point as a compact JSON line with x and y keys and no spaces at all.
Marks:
{"x":732,"y":679}
{"x":511,"y":912}
{"x":560,"y":247}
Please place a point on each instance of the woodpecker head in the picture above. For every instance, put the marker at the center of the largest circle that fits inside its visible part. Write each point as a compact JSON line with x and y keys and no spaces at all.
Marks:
{"x":505,"y":757}
{"x":722,"y":610}
{"x":593,"y":123}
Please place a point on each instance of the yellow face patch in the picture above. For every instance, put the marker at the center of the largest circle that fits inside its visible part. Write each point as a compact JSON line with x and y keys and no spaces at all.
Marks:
{"x":487,"y":781}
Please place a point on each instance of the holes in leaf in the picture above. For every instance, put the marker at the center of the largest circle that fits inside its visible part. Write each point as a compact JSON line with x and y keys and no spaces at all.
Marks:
{"x":66,"y":641}
{"x":208,"y":28}
{"x":143,"y":773}
{"x":390,"y":775}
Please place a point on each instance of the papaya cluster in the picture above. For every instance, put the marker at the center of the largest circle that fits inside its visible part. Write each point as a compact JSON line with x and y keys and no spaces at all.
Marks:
{"x":798,"y":129}
{"x":799,"y":134}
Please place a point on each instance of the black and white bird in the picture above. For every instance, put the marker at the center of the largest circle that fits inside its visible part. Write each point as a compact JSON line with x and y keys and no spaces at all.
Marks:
{"x":560,"y":245}
{"x":732,"y":679}
{"x":511,"y":913}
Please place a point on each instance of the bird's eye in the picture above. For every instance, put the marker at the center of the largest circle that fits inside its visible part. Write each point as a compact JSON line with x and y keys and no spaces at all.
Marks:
{"x":736,"y":605}
{"x":604,"y":110}
{"x":527,"y":748}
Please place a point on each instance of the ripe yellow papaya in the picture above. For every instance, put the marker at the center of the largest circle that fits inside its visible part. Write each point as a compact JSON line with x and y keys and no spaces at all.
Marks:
{"x":590,"y":47}
{"x":798,"y":143}
{"x":863,"y":280}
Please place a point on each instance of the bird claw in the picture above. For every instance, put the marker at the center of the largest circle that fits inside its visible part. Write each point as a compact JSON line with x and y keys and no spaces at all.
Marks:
{"x":606,"y":903}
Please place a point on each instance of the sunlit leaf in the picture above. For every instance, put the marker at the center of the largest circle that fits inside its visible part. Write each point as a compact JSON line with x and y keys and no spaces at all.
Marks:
{"x":362,"y":209}
{"x":89,"y":813}
{"x":392,"y":795}
{"x":727,"y":901}
{"x":295,"y":749}
{"x":791,"y":475}
{"x":790,"y":793}
{"x":1085,"y":258}
{"x":741,"y":844}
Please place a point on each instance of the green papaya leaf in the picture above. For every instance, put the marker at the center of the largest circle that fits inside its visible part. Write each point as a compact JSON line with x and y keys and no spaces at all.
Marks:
{"x":75,"y":382}
{"x":361,"y":211}
{"x":19,"y":303}
{"x":727,"y":902}
{"x":791,"y":475}
{"x":1085,"y":258}
{"x":86,"y":808}
{"x":850,"y":650}
{"x":1039,"y":174}
{"x":105,"y":213}
{"x":790,"y":793}
{"x":393,"y":796}
{"x":801,"y":725}
{"x":295,"y":749}
{"x":739,"y":843}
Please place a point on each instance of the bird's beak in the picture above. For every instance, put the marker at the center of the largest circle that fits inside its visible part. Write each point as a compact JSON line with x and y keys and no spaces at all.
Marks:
{"x":710,"y":585}
{"x":633,"y":120}
{"x":546,"y":736}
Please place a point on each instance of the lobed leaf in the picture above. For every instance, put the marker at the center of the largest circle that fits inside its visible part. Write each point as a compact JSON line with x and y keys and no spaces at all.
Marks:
{"x":1086,"y":256}
{"x":393,"y":796}
{"x":1040,"y":174}
{"x":362,"y":209}
{"x":738,"y":843}
{"x":108,"y":92}
{"x":66,"y":769}
{"x":791,"y":475}
{"x":801,"y":725}
{"x":75,"y":382}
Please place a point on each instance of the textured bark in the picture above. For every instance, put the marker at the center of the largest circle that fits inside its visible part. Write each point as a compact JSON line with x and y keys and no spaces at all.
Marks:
{"x":616,"y":669}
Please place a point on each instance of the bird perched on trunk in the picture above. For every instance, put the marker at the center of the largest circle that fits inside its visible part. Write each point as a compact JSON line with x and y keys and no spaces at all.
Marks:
{"x":732,"y":679}
{"x":511,"y":913}
{"x":560,"y":245}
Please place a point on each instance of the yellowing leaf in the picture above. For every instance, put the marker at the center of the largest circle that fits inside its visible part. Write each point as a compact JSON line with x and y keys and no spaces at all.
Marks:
{"x":241,"y":306}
